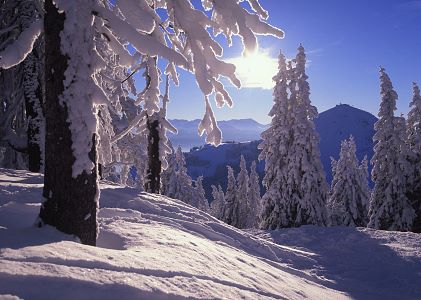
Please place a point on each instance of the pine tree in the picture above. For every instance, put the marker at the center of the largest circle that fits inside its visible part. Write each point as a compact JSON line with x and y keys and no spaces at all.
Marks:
{"x":200,"y":199}
{"x":254,"y":198}
{"x":350,"y":193}
{"x":218,"y":203}
{"x":414,"y":142}
{"x":389,"y":206}
{"x":242,"y":207}
{"x":230,"y":199}
{"x":294,"y":177}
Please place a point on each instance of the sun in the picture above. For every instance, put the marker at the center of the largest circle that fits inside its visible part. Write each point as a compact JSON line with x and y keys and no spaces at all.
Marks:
{"x":255,"y":70}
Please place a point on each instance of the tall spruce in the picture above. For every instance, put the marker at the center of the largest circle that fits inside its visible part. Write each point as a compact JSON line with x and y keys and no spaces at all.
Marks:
{"x":350,"y":194}
{"x":414,"y":142}
{"x":294,"y":177}
{"x":390,"y":208}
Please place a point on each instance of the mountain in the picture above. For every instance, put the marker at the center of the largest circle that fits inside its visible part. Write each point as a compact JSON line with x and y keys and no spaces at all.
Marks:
{"x":153,"y":247}
{"x":233,"y":130}
{"x":338,"y":123}
{"x":333,"y":126}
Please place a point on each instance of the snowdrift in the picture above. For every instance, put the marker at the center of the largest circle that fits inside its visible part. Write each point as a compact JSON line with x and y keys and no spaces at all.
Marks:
{"x":153,"y":247}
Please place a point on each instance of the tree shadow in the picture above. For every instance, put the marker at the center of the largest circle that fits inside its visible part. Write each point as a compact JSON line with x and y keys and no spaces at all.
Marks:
{"x":353,"y":261}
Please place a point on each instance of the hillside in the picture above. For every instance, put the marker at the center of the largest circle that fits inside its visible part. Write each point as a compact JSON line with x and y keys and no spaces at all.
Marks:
{"x":153,"y":247}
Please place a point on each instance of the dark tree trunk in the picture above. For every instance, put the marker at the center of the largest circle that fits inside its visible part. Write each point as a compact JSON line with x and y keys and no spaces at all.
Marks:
{"x":34,"y":115}
{"x":71,"y":203}
{"x":153,"y":180}
{"x":33,"y":89}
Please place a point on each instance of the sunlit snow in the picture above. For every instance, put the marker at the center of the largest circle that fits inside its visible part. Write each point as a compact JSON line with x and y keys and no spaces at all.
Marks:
{"x":154,"y":247}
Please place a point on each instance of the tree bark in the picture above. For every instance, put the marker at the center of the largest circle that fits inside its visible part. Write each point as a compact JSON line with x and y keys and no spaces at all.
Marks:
{"x":33,"y":107}
{"x":153,"y":182}
{"x":71,"y":203}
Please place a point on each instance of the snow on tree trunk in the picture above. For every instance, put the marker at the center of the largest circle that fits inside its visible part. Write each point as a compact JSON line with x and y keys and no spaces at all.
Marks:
{"x":389,"y":206}
{"x":71,"y":201}
{"x":349,"y":194}
{"x":153,"y":179}
{"x":294,"y":177}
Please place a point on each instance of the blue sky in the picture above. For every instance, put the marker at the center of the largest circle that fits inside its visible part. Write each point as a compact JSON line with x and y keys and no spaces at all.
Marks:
{"x":345,"y":41}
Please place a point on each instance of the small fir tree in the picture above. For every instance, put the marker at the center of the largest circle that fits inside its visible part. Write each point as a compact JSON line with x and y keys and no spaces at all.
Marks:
{"x":349,"y":194}
{"x":230,"y":198}
{"x":254,"y":198}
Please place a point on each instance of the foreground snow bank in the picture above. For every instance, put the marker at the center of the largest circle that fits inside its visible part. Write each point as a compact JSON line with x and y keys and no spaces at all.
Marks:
{"x":153,"y":247}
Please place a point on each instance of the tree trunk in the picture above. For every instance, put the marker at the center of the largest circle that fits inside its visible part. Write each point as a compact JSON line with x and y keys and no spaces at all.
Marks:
{"x":34,"y":114}
{"x":153,"y":180}
{"x":71,"y":203}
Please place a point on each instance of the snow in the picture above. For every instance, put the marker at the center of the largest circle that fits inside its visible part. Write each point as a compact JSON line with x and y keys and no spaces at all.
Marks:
{"x":154,"y":247}
{"x":15,"y":53}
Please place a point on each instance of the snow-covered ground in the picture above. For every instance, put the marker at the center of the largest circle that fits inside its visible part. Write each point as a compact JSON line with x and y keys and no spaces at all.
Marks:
{"x":153,"y":247}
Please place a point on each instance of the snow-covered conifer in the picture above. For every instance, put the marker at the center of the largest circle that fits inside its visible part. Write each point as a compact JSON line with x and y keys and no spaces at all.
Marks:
{"x":294,"y":177}
{"x":242,"y":207}
{"x":218,"y":203}
{"x":254,"y":198}
{"x":200,"y":200}
{"x":230,"y":198}
{"x":350,"y":194}
{"x":414,"y":142}
{"x":389,"y":206}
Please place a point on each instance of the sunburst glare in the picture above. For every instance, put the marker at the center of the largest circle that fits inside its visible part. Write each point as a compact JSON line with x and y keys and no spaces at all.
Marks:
{"x":255,"y":70}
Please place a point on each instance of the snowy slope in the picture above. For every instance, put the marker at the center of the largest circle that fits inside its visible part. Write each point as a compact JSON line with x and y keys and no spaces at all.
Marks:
{"x":153,"y":247}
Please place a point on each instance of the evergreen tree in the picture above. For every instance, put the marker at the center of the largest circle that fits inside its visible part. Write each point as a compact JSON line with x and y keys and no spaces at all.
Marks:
{"x":414,"y":142}
{"x":242,"y":204}
{"x":230,"y":199}
{"x":389,"y":206}
{"x":254,"y":198}
{"x":349,"y":194}
{"x":294,"y":177}
{"x":218,"y":203}
{"x":200,"y":200}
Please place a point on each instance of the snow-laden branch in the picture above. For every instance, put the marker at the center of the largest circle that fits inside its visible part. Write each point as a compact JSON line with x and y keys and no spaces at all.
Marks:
{"x":15,"y":53}
{"x":138,"y":119}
